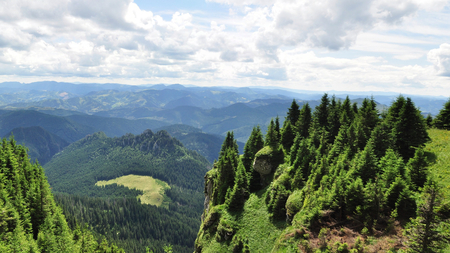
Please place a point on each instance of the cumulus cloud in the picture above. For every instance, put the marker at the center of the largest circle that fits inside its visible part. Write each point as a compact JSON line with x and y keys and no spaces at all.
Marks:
{"x":264,"y":42}
{"x":440,"y":58}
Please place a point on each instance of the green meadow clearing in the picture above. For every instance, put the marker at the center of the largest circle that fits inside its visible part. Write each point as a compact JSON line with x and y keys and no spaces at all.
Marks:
{"x":153,"y":188}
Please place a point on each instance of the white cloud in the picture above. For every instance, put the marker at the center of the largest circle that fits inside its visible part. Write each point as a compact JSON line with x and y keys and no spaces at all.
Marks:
{"x":271,"y":42}
{"x":440,"y":57}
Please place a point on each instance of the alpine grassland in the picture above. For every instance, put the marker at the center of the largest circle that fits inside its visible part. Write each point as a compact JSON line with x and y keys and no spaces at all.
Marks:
{"x":438,"y":151}
{"x":153,"y":189}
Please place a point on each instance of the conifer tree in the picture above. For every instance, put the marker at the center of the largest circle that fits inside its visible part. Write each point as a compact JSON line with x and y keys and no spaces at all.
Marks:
{"x":417,"y":169}
{"x":346,"y":117}
{"x":442,"y":120}
{"x":293,"y":113}
{"x":334,"y":119}
{"x":287,"y":136}
{"x":254,"y":143}
{"x":321,"y":113}
{"x":430,"y":231}
{"x":241,"y":189}
{"x":272,"y":135}
{"x":409,"y":130}
{"x":304,"y":121}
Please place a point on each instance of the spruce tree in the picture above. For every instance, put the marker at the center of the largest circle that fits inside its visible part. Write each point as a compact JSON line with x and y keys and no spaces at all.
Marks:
{"x":417,"y":169}
{"x":334,"y":119}
{"x":240,"y":191}
{"x":430,"y":231}
{"x":293,"y":113}
{"x":442,"y":120}
{"x":321,"y":113}
{"x":254,"y":143}
{"x":287,"y":136}
{"x":304,"y":121}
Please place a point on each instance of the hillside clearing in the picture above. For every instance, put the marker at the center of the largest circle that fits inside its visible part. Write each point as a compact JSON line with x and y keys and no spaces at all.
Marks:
{"x":153,"y":188}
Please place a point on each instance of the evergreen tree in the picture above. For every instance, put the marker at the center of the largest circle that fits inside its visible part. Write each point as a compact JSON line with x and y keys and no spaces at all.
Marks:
{"x":254,"y":143}
{"x":321,"y":113}
{"x":293,"y":113}
{"x":287,"y":136}
{"x":408,"y":126}
{"x":240,"y":191}
{"x":417,"y":169}
{"x":334,"y":119}
{"x":429,"y":121}
{"x":442,"y":120}
{"x":347,"y":115}
{"x":272,"y":135}
{"x":304,"y":121}
{"x":430,"y":231}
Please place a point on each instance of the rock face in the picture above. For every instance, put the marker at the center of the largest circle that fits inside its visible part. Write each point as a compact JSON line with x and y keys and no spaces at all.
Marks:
{"x":209,"y":183}
{"x":262,"y":165}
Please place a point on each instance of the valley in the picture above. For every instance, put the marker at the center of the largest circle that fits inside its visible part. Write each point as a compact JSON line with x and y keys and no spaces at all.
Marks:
{"x":132,"y":165}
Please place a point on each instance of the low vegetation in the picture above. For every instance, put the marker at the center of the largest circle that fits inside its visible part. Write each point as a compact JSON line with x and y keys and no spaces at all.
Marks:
{"x":153,"y":189}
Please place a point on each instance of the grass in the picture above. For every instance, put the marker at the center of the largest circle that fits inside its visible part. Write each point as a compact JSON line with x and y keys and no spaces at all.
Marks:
{"x":438,"y":151}
{"x":252,"y":224}
{"x":153,"y":188}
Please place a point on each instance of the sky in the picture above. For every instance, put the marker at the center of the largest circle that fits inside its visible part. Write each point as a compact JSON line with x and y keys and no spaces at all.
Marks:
{"x":323,"y":45}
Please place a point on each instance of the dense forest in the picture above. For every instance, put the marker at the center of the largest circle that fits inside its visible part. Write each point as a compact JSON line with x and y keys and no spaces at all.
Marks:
{"x":340,"y":169}
{"x":30,"y":220}
{"x":116,"y":212}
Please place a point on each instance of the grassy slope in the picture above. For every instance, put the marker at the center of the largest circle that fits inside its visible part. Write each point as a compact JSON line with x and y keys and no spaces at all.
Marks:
{"x":153,"y":188}
{"x":253,"y":223}
{"x":439,"y":154}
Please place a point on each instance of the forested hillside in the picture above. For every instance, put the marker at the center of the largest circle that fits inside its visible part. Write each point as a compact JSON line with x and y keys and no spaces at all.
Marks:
{"x":30,"y":221}
{"x":116,"y":211}
{"x":338,"y":178}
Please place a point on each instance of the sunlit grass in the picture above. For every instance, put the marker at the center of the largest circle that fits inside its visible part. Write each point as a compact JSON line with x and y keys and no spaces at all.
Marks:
{"x":153,"y":188}
{"x":438,"y":151}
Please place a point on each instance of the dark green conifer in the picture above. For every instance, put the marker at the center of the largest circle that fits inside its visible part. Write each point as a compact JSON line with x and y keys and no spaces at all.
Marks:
{"x":442,"y":120}
{"x":241,"y":189}
{"x":287,"y":136}
{"x":293,"y":113}
{"x":304,"y":121}
{"x":321,"y":113}
{"x":417,"y":169}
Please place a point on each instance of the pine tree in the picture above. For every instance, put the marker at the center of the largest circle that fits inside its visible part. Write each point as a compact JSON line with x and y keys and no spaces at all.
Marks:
{"x":417,"y":169}
{"x":408,"y":126}
{"x":293,"y":113}
{"x":287,"y":136}
{"x":430,"y":231}
{"x":254,"y":143}
{"x":240,"y":191}
{"x":334,"y":119}
{"x":321,"y":113}
{"x":304,"y":121}
{"x":271,"y":135}
{"x":442,"y":120}
{"x":346,"y":117}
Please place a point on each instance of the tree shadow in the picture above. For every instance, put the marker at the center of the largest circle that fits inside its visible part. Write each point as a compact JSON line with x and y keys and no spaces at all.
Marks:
{"x":431,"y":157}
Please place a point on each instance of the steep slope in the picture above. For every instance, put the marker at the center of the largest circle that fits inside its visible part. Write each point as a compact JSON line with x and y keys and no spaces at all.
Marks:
{"x":30,"y":219}
{"x":322,"y":190}
{"x":42,"y":145}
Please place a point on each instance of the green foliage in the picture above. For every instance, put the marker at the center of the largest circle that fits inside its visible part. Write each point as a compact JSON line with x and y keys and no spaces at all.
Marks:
{"x":30,"y":220}
{"x":429,"y":232}
{"x":254,"y":143}
{"x":304,"y":122}
{"x":240,"y":191}
{"x":97,"y":157}
{"x":442,"y":120}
